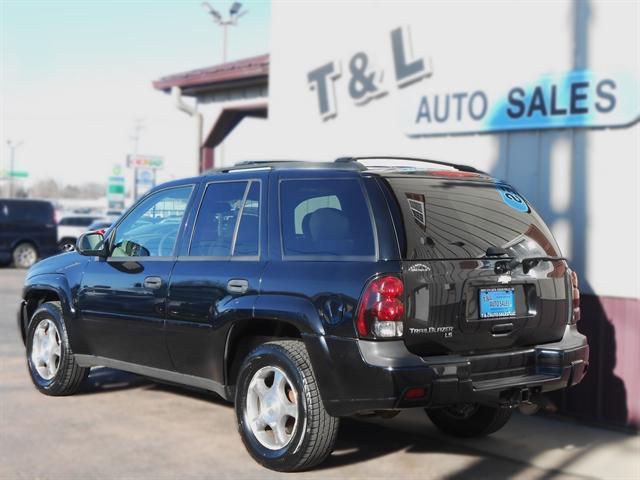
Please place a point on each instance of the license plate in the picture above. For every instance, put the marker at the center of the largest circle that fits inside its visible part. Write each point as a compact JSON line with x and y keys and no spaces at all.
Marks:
{"x":497,"y":302}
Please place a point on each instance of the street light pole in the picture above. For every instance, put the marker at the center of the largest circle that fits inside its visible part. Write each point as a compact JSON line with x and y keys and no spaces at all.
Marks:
{"x":12,"y":161}
{"x":224,"y":42}
{"x":235,"y":12}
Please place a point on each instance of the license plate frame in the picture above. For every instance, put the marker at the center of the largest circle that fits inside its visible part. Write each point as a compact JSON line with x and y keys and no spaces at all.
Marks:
{"x":496,"y":302}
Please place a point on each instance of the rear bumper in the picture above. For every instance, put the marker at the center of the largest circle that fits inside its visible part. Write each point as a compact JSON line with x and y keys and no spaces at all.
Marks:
{"x":357,"y":376}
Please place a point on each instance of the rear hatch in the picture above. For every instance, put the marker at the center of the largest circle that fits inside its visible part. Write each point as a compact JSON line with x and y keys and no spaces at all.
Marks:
{"x":458,"y":227}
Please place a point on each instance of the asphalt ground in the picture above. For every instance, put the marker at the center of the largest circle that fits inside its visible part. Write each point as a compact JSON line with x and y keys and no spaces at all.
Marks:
{"x":124,"y":426}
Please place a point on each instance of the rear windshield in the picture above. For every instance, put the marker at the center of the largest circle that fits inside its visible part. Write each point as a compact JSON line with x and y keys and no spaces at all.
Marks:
{"x":450,"y":218}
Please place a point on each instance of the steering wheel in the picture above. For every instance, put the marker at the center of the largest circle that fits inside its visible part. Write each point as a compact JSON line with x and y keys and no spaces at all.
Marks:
{"x":163,"y":240}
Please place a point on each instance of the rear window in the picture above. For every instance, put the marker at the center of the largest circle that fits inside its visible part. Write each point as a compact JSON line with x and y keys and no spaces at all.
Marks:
{"x":462,"y":218}
{"x":325,"y":218}
{"x":26,"y":212}
{"x":77,"y":221}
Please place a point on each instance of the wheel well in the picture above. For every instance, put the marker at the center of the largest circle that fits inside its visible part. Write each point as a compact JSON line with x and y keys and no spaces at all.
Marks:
{"x":25,"y":240}
{"x":34,"y":300}
{"x":245,"y":337}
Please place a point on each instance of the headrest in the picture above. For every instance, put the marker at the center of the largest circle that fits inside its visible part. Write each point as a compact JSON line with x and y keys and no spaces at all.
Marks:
{"x":329,"y":224}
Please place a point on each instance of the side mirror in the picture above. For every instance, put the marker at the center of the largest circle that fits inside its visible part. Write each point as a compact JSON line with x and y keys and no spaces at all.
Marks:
{"x":92,"y":244}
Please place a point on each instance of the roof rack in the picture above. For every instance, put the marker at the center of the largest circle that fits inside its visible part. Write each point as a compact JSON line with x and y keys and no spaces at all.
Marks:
{"x":457,"y":166}
{"x":247,"y":163}
{"x":253,"y":164}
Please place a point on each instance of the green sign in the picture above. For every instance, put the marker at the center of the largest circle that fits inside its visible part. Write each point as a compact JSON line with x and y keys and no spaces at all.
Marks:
{"x":115,"y":190}
{"x":14,"y":174}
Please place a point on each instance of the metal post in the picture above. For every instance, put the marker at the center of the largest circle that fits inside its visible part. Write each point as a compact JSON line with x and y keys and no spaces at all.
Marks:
{"x":224,"y":42}
{"x":137,"y":128}
{"x":12,"y":158}
{"x":12,"y":161}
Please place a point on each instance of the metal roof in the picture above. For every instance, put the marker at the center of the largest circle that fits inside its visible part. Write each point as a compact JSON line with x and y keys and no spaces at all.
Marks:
{"x":248,"y":71}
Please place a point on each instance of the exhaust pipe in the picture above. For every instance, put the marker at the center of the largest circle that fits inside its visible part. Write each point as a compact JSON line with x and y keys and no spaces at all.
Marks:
{"x":536,"y":403}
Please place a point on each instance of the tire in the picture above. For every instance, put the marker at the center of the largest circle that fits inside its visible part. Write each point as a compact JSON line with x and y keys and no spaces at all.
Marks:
{"x":309,"y":438}
{"x":469,"y":420}
{"x":64,"y":377}
{"x":67,"y":245}
{"x":24,"y":255}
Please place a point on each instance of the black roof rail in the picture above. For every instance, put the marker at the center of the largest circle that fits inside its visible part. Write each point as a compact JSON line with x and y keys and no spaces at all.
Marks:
{"x":457,"y":166}
{"x":248,"y":164}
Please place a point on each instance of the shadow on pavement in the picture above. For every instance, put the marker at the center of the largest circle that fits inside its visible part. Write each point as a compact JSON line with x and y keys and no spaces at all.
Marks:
{"x":509,"y":453}
{"x":108,"y":380}
{"x":360,"y":441}
{"x":103,"y":380}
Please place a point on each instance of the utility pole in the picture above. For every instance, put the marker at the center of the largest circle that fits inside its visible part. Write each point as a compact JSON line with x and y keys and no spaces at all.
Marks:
{"x":13,"y":146}
{"x":138,"y":126}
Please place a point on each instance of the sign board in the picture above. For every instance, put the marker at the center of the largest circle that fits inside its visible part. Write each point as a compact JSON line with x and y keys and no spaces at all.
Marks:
{"x":115,"y":192}
{"x":145,"y":180}
{"x":428,"y":106}
{"x":145,"y":161}
{"x":576,"y":99}
{"x":13,"y":174}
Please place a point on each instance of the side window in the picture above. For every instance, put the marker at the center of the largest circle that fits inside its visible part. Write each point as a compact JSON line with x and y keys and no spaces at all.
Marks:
{"x":309,"y":206}
{"x":217,"y":218}
{"x":325,"y":218}
{"x":151,"y":229}
{"x":247,"y":239}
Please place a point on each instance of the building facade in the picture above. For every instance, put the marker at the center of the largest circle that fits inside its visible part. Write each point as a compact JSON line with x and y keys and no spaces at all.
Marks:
{"x":544,"y":95}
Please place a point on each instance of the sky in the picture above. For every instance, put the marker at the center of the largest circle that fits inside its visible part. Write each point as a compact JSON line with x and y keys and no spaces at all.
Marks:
{"x":75,"y":76}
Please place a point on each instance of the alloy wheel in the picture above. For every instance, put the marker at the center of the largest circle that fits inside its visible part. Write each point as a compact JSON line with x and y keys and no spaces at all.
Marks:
{"x":46,"y":349}
{"x":272,"y":408}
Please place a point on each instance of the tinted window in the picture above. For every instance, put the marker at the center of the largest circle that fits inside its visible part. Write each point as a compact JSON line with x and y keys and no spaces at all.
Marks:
{"x":217,"y":218}
{"x":248,"y":230}
{"x":76,"y":221}
{"x":151,"y":229}
{"x":27,"y":212}
{"x":462,"y":218}
{"x":325,"y":218}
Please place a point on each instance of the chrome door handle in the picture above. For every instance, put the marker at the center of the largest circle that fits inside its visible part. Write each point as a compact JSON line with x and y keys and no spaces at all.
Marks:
{"x":152,"y":283}
{"x":238,"y":285}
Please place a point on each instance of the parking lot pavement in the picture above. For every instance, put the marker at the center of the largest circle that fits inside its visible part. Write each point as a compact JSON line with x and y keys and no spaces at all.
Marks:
{"x":122,"y":425}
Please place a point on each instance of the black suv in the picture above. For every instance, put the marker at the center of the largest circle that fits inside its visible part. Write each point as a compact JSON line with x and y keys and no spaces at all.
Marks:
{"x":305,"y":292}
{"x":27,"y":231}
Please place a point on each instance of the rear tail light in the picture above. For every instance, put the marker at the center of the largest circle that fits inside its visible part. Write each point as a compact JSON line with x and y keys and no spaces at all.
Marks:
{"x":415,"y":393}
{"x":381,"y":309}
{"x":575,"y":297}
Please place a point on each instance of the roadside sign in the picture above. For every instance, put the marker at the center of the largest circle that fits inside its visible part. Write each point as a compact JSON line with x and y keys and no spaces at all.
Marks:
{"x":145,"y":180}
{"x":14,"y":174}
{"x":115,"y":192}
{"x":145,"y":161}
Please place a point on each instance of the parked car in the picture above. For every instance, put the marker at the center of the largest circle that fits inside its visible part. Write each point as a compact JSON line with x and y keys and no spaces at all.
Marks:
{"x":27,"y":231}
{"x":305,"y":292}
{"x":99,"y":224}
{"x":70,"y":228}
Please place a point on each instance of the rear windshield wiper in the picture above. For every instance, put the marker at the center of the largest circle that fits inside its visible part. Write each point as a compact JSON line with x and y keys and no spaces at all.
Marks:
{"x":528,"y":263}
